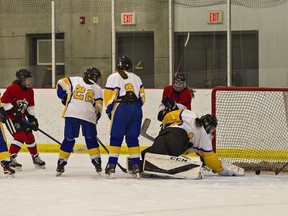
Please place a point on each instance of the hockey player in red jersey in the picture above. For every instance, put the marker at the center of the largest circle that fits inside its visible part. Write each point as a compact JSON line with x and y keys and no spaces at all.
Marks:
{"x":179,"y":92}
{"x":175,"y":96}
{"x":18,"y":103}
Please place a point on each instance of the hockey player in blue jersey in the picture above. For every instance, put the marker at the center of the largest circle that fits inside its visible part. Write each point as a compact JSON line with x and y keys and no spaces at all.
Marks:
{"x":4,"y":154}
{"x":124,"y":97}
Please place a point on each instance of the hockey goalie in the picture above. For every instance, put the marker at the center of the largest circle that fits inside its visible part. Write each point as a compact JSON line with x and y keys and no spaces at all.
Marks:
{"x":184,"y":132}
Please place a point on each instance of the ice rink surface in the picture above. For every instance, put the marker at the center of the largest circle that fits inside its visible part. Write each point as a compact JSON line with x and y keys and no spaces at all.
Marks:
{"x":80,"y":191}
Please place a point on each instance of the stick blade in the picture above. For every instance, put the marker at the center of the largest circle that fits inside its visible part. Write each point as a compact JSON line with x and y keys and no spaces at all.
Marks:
{"x":145,"y":124}
{"x":144,"y":128}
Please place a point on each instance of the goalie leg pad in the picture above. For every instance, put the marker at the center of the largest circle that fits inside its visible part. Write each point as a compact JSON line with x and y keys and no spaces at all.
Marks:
{"x":230,"y":169}
{"x":172,"y":166}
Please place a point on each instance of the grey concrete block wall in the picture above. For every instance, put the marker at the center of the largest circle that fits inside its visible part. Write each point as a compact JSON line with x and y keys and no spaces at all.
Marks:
{"x":90,"y":44}
{"x":85,"y":45}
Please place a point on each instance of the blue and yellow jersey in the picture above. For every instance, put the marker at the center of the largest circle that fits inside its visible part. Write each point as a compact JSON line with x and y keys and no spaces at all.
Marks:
{"x":3,"y":143}
{"x":116,"y":87}
{"x":84,"y":101}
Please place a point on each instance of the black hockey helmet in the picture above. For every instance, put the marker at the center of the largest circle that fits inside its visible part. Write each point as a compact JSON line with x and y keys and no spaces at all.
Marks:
{"x":180,"y":77}
{"x":93,"y":74}
{"x":22,"y":75}
{"x":125,"y":63}
{"x":209,"y":123}
{"x":179,"y":82}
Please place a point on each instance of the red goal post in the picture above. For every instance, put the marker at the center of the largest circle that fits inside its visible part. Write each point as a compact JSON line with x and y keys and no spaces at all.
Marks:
{"x":252,"y":127}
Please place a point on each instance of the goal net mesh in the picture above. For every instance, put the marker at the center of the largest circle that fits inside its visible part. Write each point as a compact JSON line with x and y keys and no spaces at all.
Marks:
{"x":104,"y":6}
{"x":252,"y":127}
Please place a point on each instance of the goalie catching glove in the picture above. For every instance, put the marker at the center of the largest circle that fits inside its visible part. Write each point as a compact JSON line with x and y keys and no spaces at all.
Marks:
{"x":230,"y":169}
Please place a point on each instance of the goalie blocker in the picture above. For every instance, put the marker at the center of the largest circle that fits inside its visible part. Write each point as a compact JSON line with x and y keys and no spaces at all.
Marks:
{"x":172,"y":166}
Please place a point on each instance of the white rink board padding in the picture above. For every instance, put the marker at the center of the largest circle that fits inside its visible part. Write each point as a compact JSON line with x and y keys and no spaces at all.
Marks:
{"x":172,"y":166}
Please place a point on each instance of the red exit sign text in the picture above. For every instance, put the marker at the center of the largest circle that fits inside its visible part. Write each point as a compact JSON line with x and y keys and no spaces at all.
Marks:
{"x":128,"y":18}
{"x":215,"y":17}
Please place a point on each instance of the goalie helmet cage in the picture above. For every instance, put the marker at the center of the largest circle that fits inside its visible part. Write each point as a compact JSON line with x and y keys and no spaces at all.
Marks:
{"x":252,"y":129}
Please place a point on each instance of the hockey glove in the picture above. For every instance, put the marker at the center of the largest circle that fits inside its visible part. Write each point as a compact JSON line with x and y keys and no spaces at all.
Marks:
{"x":169,"y":104}
{"x":17,"y":113}
{"x":34,"y":123}
{"x":109,"y":114}
{"x":161,"y":115}
{"x":3,"y":116}
{"x":64,"y":99}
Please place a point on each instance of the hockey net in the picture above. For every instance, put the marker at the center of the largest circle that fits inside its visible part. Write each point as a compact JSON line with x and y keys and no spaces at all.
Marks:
{"x":252,"y":127}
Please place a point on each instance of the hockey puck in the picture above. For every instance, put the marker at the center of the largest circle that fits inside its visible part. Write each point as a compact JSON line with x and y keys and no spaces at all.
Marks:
{"x":257,"y":172}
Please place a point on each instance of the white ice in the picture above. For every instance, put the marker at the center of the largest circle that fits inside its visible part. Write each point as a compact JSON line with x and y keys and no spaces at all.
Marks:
{"x":82,"y":192}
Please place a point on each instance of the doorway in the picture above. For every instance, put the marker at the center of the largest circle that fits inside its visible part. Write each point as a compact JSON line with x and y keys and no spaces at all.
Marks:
{"x":140,"y":48}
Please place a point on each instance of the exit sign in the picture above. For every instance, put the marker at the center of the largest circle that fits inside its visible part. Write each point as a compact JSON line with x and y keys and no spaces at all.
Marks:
{"x":128,"y":18}
{"x":215,"y":17}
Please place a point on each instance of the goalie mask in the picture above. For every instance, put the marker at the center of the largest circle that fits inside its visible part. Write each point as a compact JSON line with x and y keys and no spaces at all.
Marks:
{"x":92,"y":74}
{"x":25,"y":78}
{"x":179,"y":82}
{"x":209,"y":123}
{"x":125,"y":63}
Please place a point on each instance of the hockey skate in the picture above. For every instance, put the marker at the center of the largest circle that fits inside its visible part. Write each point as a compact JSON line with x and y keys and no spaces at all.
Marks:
{"x":136,"y":170}
{"x":130,"y":168}
{"x":38,"y":162}
{"x":129,"y":165}
{"x":8,"y":171}
{"x":110,"y":170}
{"x":14,"y":164}
{"x":60,"y":167}
{"x":97,"y":163}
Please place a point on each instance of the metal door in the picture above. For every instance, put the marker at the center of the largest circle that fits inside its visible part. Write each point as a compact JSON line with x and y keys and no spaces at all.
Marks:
{"x":140,"y":48}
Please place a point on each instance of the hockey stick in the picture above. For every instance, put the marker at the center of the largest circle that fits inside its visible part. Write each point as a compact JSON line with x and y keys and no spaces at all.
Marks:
{"x":43,"y":132}
{"x":182,"y":54}
{"x":122,"y":168}
{"x":52,"y":138}
{"x":144,"y":128}
{"x":277,"y":171}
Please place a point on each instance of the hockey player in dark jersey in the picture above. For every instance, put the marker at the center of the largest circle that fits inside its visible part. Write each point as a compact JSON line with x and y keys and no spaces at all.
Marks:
{"x":18,"y":103}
